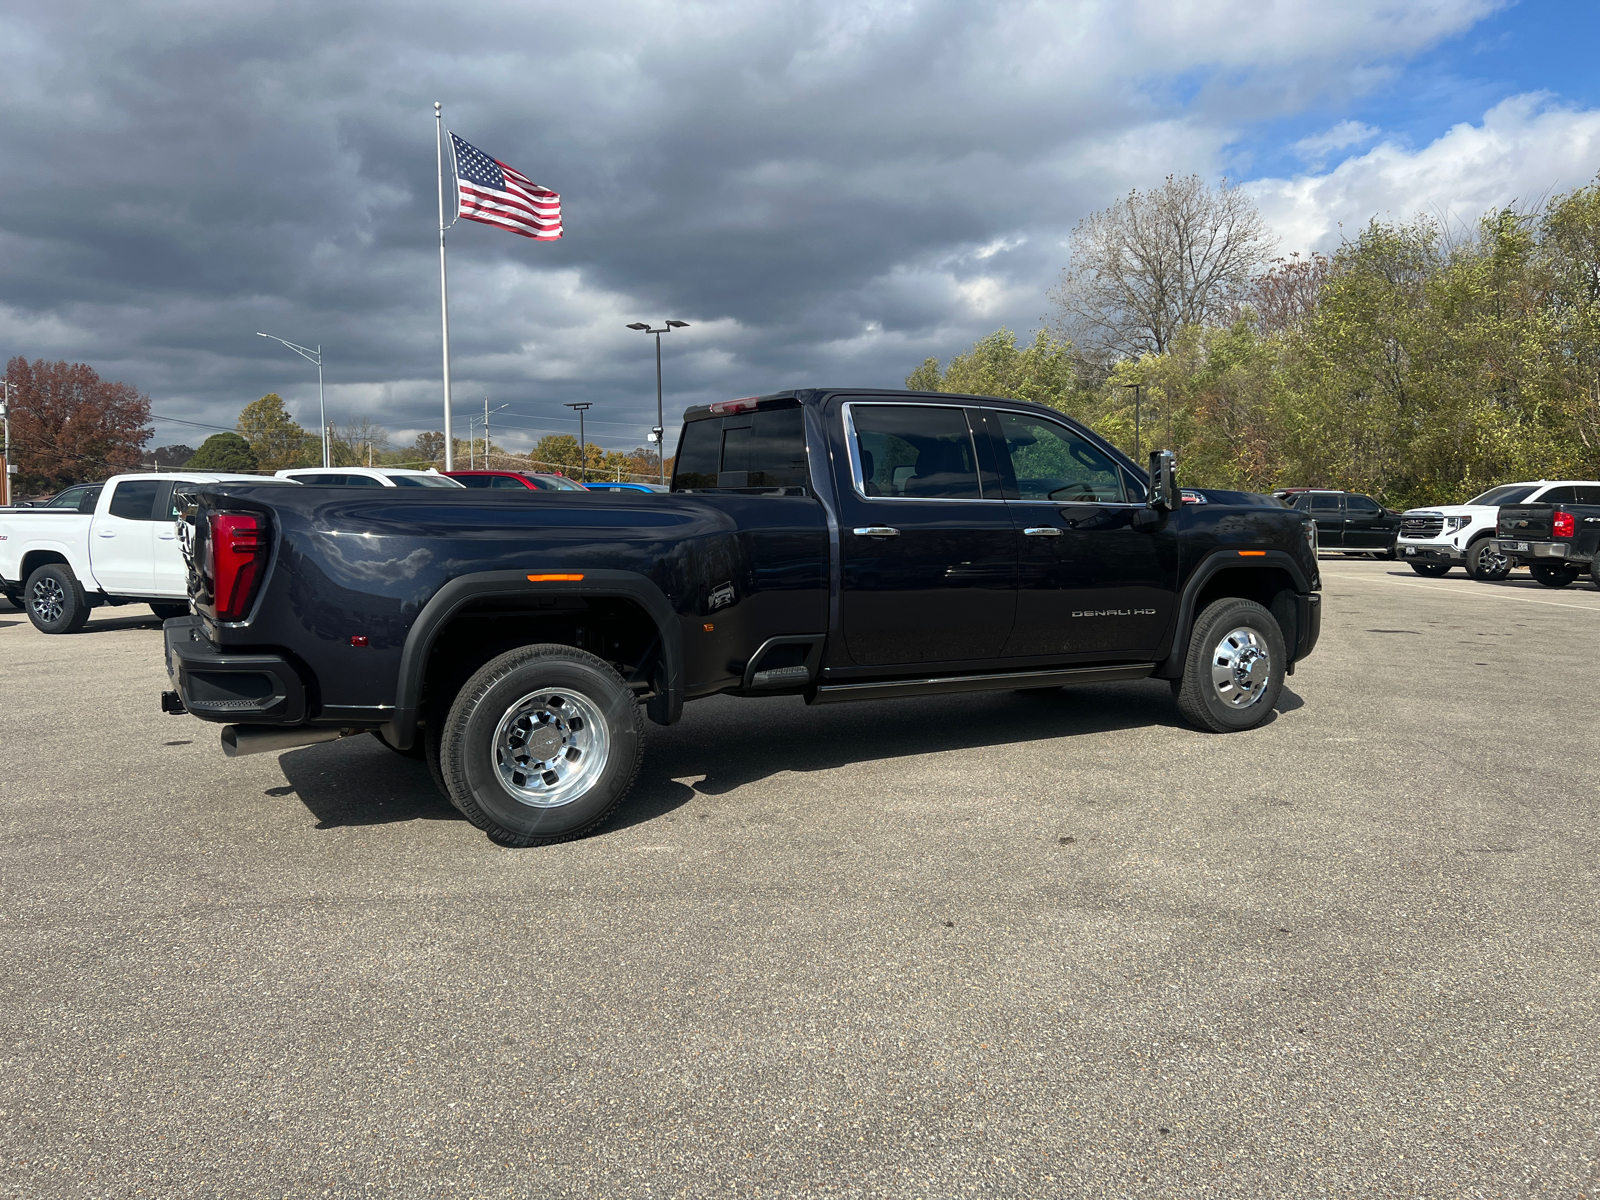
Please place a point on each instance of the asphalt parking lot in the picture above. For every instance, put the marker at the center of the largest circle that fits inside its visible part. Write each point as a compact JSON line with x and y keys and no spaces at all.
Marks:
{"x":990,"y":945}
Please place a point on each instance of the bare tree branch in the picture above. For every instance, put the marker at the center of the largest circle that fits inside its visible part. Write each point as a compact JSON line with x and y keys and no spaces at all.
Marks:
{"x":1155,"y":263}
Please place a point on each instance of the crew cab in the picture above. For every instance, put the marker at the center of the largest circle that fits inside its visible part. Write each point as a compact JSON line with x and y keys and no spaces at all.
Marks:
{"x":1556,"y":541}
{"x":1434,"y":539}
{"x":1347,"y":522}
{"x":116,"y":545}
{"x":834,"y":544}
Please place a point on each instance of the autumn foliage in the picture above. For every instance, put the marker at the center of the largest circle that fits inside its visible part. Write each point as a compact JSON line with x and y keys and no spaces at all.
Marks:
{"x":68,"y":424}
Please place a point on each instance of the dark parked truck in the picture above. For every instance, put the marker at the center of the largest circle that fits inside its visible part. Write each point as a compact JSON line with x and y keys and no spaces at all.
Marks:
{"x":831,"y":544}
{"x":1556,"y":542}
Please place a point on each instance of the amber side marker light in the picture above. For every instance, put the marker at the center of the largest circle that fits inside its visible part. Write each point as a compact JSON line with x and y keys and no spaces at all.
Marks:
{"x":1253,"y":553}
{"x":554,"y":578}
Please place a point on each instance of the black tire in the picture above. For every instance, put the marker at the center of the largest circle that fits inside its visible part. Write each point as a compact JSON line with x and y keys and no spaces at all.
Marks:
{"x":561,"y":703}
{"x":1218,"y":637}
{"x":1594,"y":571}
{"x":1553,"y":576}
{"x":1431,"y":570}
{"x":1485,"y":563}
{"x":165,"y":610}
{"x":55,"y":600}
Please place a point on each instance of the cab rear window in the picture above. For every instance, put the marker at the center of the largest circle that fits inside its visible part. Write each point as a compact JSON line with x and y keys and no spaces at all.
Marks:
{"x":761,"y":450}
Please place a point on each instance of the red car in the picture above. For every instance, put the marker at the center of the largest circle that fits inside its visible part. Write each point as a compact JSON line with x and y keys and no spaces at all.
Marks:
{"x":516,"y":479}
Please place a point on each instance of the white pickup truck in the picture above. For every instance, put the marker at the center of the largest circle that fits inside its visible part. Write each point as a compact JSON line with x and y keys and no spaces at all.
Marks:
{"x":117,"y":545}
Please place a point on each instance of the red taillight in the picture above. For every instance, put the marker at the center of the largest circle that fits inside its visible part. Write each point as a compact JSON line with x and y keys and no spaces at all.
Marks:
{"x":238,"y":553}
{"x":1562,"y":524}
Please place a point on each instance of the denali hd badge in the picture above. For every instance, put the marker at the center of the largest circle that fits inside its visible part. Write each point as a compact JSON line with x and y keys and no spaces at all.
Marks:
{"x":1116,"y":612}
{"x":720,"y":595}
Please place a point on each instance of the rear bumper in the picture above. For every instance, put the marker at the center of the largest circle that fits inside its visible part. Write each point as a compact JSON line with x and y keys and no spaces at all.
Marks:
{"x":255,"y":688}
{"x":1547,"y":551}
{"x":1430,"y":552}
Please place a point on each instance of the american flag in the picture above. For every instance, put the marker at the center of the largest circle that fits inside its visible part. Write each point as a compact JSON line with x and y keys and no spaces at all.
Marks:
{"x":491,"y":192}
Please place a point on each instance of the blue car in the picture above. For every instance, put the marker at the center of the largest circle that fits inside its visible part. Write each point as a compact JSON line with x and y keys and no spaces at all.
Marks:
{"x":626,"y":487}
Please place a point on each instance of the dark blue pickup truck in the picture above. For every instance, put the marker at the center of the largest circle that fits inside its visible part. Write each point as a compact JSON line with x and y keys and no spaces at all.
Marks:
{"x":833,"y":544}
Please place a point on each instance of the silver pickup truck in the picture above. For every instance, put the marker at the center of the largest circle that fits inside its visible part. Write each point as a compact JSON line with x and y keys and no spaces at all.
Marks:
{"x":117,"y":545}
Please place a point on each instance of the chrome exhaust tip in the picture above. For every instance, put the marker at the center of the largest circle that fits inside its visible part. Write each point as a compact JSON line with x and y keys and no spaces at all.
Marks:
{"x":240,"y":740}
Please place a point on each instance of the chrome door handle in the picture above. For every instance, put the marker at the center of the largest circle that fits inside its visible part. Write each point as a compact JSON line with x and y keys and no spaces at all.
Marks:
{"x":875,"y":531}
{"x":1043,"y":531}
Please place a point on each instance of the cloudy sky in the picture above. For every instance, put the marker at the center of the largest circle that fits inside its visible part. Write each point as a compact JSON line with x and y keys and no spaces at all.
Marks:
{"x":827,"y":192}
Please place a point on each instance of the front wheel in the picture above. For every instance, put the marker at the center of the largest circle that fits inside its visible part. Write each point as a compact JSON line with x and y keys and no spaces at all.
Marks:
{"x":1431,"y":570}
{"x":541,"y":744}
{"x":1553,"y":576}
{"x":55,"y":599}
{"x":1485,"y":563}
{"x":1235,"y":667}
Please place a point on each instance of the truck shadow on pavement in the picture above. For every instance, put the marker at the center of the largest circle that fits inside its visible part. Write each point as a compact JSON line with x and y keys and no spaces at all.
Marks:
{"x":734,"y":742}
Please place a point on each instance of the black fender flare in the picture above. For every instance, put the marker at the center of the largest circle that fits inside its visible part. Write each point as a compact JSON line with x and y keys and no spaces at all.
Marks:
{"x":401,"y":731}
{"x":1221,"y":559}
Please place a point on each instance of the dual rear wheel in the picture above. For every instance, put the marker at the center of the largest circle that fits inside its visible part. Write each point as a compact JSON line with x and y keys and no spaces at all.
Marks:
{"x":539,"y":745}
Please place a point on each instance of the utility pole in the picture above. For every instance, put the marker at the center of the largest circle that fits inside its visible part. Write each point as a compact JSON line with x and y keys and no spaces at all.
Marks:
{"x":583,"y":446}
{"x":5,"y":417}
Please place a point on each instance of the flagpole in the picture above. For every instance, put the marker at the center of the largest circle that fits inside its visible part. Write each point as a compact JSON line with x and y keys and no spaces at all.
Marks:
{"x":444,"y":292}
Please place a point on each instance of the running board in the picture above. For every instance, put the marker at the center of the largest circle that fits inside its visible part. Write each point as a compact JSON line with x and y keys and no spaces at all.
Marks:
{"x":838,"y":692}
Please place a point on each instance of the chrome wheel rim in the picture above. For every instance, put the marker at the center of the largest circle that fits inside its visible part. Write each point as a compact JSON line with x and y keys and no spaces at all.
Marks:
{"x":1241,"y":665}
{"x":49,"y":599}
{"x":550,"y":747}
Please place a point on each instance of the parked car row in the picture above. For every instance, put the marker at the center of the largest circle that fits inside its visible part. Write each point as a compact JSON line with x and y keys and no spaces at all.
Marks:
{"x":113,"y":543}
{"x":1553,"y":526}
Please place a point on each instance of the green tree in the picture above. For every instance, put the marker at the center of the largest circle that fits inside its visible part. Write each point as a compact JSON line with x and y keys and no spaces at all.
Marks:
{"x":277,"y":438}
{"x":224,"y":452}
{"x":1044,"y":371}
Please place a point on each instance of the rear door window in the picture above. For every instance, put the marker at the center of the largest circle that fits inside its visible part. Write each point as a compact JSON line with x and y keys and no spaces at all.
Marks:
{"x":915,"y":452}
{"x":135,"y":499}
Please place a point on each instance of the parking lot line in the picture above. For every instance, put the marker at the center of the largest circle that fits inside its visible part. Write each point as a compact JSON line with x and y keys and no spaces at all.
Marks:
{"x":1485,"y":594}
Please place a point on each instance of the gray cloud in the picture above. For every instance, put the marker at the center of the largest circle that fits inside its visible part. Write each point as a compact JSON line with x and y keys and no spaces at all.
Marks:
{"x":828,"y":192}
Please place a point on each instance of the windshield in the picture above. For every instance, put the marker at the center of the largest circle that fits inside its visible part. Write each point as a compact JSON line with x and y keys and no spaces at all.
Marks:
{"x":1511,"y":493}
{"x":423,"y":481}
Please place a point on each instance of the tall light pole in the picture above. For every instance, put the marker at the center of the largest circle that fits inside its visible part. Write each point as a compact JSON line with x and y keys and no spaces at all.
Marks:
{"x":657,"y":432}
{"x":322,"y":411}
{"x":583,"y":446}
{"x":1136,"y":389}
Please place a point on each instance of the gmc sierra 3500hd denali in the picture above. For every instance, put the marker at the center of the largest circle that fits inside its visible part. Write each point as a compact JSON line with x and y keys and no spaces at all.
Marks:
{"x":834,"y":544}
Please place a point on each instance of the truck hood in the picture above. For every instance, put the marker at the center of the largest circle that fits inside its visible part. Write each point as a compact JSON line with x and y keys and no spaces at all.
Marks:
{"x":1453,"y":510}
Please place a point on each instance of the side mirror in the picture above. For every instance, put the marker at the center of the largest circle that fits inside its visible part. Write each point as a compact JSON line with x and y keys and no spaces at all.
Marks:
{"x":1163,"y":495}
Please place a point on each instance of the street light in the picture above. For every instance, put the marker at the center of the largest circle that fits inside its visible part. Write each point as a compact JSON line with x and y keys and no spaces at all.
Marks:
{"x":661,"y":449}
{"x":1136,"y":388}
{"x":583,"y":446}
{"x":316,"y":357}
